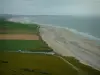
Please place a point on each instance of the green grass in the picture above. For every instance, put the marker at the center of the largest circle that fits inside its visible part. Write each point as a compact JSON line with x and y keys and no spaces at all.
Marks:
{"x":16,"y":25}
{"x":22,"y":45}
{"x":12,"y":31}
{"x":39,"y":63}
{"x":7,"y":26}
{"x":84,"y":68}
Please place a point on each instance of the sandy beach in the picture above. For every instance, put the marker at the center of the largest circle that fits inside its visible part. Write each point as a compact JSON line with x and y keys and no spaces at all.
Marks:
{"x":66,"y":43}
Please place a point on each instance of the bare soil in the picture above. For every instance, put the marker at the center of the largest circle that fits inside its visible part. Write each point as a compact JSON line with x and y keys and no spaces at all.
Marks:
{"x":19,"y":37}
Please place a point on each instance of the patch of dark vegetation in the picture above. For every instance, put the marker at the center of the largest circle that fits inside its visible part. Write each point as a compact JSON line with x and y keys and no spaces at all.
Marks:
{"x":13,"y":74}
{"x":2,"y":61}
{"x":44,"y":73}
{"x":41,"y":50}
{"x":36,"y":71}
{"x":28,"y":69}
{"x":13,"y":70}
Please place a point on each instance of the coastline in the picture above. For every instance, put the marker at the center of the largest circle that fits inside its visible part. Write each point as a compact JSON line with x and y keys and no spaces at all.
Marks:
{"x":71,"y":38}
{"x":66,"y":43}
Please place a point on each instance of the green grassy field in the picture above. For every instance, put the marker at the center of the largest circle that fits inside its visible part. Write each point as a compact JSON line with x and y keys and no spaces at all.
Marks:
{"x":84,"y":68}
{"x":12,"y":31}
{"x":16,"y":25}
{"x":14,"y":45}
{"x":33,"y":64}
{"x":13,"y":27}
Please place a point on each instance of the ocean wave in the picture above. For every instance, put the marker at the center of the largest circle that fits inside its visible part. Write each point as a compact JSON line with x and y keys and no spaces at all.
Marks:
{"x":84,"y":34}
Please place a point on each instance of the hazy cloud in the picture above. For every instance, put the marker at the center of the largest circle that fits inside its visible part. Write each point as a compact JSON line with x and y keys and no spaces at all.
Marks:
{"x":50,"y":7}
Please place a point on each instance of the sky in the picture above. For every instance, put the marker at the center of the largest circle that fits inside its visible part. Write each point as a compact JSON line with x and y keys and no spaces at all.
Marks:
{"x":50,"y":7}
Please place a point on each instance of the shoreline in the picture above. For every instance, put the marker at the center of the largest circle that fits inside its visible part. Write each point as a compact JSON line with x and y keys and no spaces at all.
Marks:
{"x":82,"y":34}
{"x":55,"y":43}
{"x":64,"y":47}
{"x":58,"y":50}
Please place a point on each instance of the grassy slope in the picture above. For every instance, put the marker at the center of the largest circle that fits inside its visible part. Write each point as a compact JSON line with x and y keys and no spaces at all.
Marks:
{"x":40,"y":63}
{"x":84,"y":68}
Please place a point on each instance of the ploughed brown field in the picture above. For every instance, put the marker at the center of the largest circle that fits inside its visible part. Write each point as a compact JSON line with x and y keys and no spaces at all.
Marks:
{"x":19,"y":37}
